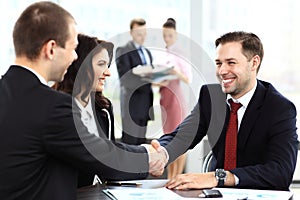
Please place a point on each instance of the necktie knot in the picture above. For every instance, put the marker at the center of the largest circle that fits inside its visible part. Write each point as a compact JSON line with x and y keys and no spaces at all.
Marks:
{"x":234,"y":106}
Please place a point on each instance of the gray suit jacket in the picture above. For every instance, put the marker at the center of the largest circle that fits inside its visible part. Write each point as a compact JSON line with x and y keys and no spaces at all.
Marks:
{"x":136,"y":93}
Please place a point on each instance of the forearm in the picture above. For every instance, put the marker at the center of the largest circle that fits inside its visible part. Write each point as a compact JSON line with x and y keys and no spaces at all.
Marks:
{"x":182,"y":76}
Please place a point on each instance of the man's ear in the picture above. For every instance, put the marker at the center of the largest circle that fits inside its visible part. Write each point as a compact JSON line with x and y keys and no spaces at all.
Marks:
{"x":255,"y":62}
{"x":49,"y":49}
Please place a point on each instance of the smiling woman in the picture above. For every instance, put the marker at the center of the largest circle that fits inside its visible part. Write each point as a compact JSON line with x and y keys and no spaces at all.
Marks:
{"x":100,"y":63}
{"x":85,"y":80}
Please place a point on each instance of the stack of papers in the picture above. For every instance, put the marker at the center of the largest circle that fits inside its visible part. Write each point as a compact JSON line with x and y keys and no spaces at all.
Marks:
{"x":154,"y":73}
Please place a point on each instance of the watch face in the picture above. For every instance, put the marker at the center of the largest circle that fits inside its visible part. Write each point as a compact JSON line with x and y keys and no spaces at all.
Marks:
{"x":221,"y":174}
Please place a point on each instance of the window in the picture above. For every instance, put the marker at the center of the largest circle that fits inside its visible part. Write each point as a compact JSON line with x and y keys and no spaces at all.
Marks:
{"x":277,"y":25}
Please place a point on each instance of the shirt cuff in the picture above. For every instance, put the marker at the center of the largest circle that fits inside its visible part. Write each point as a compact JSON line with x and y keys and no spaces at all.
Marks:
{"x":147,"y":146}
{"x":236,"y":179}
{"x":166,"y":152}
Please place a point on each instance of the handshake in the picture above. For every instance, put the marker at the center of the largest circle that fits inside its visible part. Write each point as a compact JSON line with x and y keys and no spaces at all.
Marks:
{"x":158,"y":158}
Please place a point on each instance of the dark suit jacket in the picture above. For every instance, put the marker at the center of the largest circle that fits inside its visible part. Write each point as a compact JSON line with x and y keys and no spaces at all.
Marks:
{"x":136,"y":94}
{"x":43,"y":143}
{"x":267,"y":139}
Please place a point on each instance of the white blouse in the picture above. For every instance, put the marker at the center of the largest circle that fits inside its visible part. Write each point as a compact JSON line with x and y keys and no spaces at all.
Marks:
{"x":87,"y":117}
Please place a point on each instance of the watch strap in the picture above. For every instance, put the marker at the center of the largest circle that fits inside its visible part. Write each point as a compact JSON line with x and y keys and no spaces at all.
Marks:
{"x":220,"y":183}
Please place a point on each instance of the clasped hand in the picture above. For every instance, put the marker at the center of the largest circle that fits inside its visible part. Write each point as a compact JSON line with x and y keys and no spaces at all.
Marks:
{"x":158,"y":158}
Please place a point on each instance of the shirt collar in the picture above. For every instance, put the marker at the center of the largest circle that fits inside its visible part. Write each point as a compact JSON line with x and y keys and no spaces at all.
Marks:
{"x":88,"y":108}
{"x":245,"y":99}
{"x":136,"y":45}
{"x":41,"y":78}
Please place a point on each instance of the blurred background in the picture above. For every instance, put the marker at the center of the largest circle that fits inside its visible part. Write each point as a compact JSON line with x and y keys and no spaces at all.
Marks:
{"x":199,"y":23}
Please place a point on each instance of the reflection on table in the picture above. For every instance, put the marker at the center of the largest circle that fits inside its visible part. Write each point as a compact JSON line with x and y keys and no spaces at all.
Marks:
{"x":156,"y":188}
{"x":95,"y":192}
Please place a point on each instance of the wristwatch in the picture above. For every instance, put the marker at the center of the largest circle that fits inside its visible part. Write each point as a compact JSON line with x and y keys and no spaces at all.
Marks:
{"x":221,"y":176}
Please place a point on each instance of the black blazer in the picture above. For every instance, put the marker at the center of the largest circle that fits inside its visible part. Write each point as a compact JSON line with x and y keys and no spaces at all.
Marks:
{"x":43,"y":143}
{"x":102,"y":119}
{"x":136,"y":93}
{"x":267,"y":139}
{"x":87,"y":178}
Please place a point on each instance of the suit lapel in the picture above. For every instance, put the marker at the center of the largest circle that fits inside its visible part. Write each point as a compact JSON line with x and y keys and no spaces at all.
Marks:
{"x":135,"y":53}
{"x":131,"y":46}
{"x":149,"y":54}
{"x":252,"y":112}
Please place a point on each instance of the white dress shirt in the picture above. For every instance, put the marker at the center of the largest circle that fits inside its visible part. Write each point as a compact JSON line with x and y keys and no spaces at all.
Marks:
{"x":87,"y":117}
{"x":146,"y":55}
{"x":244,"y":100}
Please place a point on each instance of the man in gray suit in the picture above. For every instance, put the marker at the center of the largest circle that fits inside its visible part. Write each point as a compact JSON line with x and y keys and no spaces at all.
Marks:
{"x":136,"y":94}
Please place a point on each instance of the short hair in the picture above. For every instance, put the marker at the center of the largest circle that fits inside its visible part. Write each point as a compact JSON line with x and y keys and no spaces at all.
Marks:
{"x":170,"y":23}
{"x":81,"y":70}
{"x":251,"y":44}
{"x":137,"y":21}
{"x":39,"y":23}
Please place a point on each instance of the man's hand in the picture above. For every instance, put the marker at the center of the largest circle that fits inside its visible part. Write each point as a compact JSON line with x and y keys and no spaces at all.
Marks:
{"x":158,"y":158}
{"x":192,"y":181}
{"x":198,"y":181}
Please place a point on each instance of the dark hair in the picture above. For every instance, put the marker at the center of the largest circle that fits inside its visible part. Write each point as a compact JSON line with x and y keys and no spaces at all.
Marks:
{"x":251,"y":44}
{"x":39,"y":23}
{"x":81,"y":70}
{"x":137,"y":21}
{"x":170,"y":23}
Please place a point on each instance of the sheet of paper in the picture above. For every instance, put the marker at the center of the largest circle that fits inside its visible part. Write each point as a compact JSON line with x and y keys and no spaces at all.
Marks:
{"x":144,"y":194}
{"x":154,"y":189}
{"x":156,"y":183}
{"x":230,"y":193}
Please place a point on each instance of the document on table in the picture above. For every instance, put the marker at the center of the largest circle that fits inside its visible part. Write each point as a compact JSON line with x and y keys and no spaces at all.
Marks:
{"x":155,"y":190}
{"x":142,"y":194}
{"x":230,"y":193}
{"x":166,"y":194}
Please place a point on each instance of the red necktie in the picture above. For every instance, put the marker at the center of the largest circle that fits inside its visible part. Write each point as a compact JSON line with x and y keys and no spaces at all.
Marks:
{"x":231,"y":137}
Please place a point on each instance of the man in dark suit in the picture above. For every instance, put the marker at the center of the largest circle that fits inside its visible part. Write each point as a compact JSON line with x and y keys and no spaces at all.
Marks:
{"x":43,"y":141}
{"x":266,"y":149}
{"x":136,"y":96}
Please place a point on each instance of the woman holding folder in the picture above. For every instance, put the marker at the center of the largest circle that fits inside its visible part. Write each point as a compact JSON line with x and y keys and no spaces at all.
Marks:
{"x":173,"y":105}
